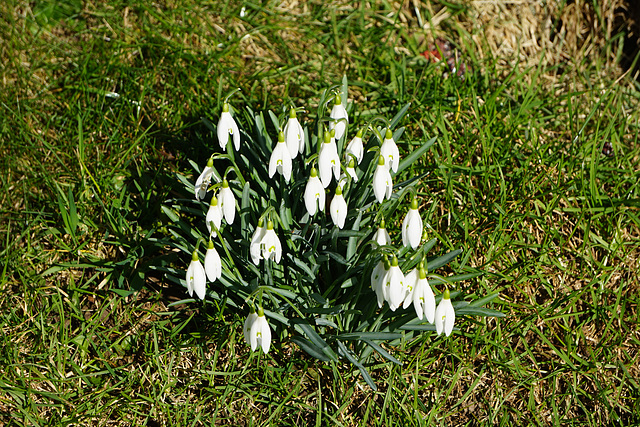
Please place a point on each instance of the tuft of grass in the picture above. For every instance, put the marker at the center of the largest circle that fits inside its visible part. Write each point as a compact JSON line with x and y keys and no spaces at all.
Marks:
{"x":102,"y":102}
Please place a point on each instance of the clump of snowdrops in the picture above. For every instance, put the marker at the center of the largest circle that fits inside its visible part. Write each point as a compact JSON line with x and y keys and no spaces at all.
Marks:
{"x":291,"y":229}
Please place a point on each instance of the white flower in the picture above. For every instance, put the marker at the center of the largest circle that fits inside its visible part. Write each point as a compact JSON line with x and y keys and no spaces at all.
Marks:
{"x":248,"y":323}
{"x":212,"y":263}
{"x":294,"y":135}
{"x":445,"y":315}
{"x":382,"y":182}
{"x":377,"y":279}
{"x":328,"y":160}
{"x":227,"y":126}
{"x":338,"y":208}
{"x":339,"y":116}
{"x":270,"y":244}
{"x":410,"y":280}
{"x":314,"y":197}
{"x":260,"y":333}
{"x":196,"y":277}
{"x":227,"y":202}
{"x":389,"y":150}
{"x":254,"y":246}
{"x":412,"y":226}
{"x":394,"y":287}
{"x":356,"y":147}
{"x":382,"y":236}
{"x":203,"y":181}
{"x":214,"y":216}
{"x":352,"y":171}
{"x":423,"y":299}
{"x":280,"y":159}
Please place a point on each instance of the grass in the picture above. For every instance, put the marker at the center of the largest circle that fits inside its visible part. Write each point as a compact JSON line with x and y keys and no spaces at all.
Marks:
{"x":517,"y":179}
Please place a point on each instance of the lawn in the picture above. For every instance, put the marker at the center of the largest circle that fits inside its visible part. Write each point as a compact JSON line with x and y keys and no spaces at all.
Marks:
{"x":534,"y":175}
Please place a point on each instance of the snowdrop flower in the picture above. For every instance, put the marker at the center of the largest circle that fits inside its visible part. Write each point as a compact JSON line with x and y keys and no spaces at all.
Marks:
{"x":382,"y":236}
{"x":377,"y":279}
{"x":328,"y":160}
{"x":412,"y":226}
{"x":351,"y":171}
{"x":270,"y":244}
{"x":260,"y":333}
{"x":394,"y":287}
{"x":389,"y":150}
{"x":196,"y":277}
{"x":227,"y":127}
{"x":338,"y":208}
{"x":280,"y":159}
{"x":339,"y":116}
{"x":356,"y":147}
{"x":423,"y":300}
{"x":410,"y":280}
{"x":294,"y":135}
{"x":248,"y":323}
{"x":227,"y":202}
{"x":203,"y":181}
{"x":214,"y":216}
{"x":445,"y":315}
{"x":212,"y":263}
{"x":314,"y":197}
{"x":382,"y":182}
{"x":254,"y":246}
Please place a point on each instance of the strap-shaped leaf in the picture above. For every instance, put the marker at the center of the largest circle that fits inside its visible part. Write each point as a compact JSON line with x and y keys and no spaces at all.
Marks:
{"x":370,"y":336}
{"x":317,"y":340}
{"x":310,"y":348}
{"x":432,"y":264}
{"x":415,"y":155}
{"x":396,"y":119}
{"x":479,"y":311}
{"x":383,"y":352}
{"x":365,"y":374}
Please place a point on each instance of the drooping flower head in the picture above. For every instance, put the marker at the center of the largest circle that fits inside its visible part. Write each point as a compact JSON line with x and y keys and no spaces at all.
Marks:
{"x":227,"y":202}
{"x":355,"y":148}
{"x":412,"y":226}
{"x":382,"y":182}
{"x":260,"y":333}
{"x":212,"y":263}
{"x":280,"y":159}
{"x":196,"y":277}
{"x":424,"y":301}
{"x":339,"y":116}
{"x":227,"y":128}
{"x":294,"y":135}
{"x":389,"y":150}
{"x":445,"y":315}
{"x":394,"y":287}
{"x":328,"y":160}
{"x":314,"y":197}
{"x":377,"y":279}
{"x":382,"y":236}
{"x":338,"y":208}
{"x":254,"y":247}
{"x":203,"y":181}
{"x":248,"y":323}
{"x":214,"y":217}
{"x":270,"y":244}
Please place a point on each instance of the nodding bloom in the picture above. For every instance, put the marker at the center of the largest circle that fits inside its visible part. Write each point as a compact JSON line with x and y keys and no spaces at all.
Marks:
{"x":203,"y":181}
{"x":377,"y":279}
{"x":389,"y":150}
{"x":424,"y":301}
{"x":196,"y":277}
{"x":382,"y":182}
{"x":382,"y":236}
{"x":254,"y":246}
{"x":280,"y":159}
{"x":339,"y":116}
{"x":227,"y":202}
{"x":260,"y":333}
{"x":328,"y":160}
{"x":338,"y":208}
{"x":248,"y":323}
{"x":445,"y":315}
{"x":355,"y":148}
{"x":270,"y":244}
{"x":212,"y":263}
{"x":294,"y":135}
{"x":412,"y":226}
{"x":394,"y":287}
{"x":314,"y":197}
{"x":351,"y":170}
{"x":227,"y":127}
{"x":214,"y":217}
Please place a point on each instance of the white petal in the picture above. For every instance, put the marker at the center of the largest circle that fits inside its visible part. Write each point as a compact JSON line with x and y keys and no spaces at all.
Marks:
{"x":293,"y":136}
{"x":260,"y":334}
{"x":314,"y":196}
{"x":338,"y":210}
{"x":356,"y":148}
{"x":382,"y":184}
{"x":389,"y":150}
{"x":410,"y":281}
{"x":382,"y":237}
{"x":248,"y":323}
{"x":396,"y":287}
{"x":225,"y":128}
{"x":254,"y":246}
{"x":202,"y":183}
{"x":212,"y":265}
{"x":445,"y":317}
{"x":338,"y":112}
{"x":214,"y":214}
{"x":227,"y":202}
{"x":412,"y":229}
{"x":196,"y":279}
